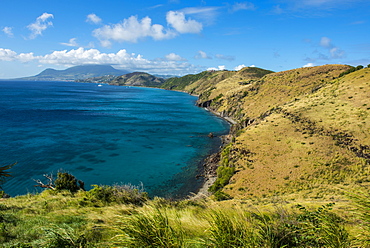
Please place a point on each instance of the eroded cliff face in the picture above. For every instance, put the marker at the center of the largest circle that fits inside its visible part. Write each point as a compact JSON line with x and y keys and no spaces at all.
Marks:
{"x":303,"y":131}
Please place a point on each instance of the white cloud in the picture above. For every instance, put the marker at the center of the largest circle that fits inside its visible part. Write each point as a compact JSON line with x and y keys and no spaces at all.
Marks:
{"x":121,"y":59}
{"x":91,"y":56}
{"x":174,"y":57}
{"x":309,"y":65}
{"x":225,"y":57}
{"x":40,"y":25}
{"x":94,"y":19}
{"x":131,"y":30}
{"x":202,"y":55}
{"x":325,"y":42}
{"x":206,"y":14}
{"x":330,"y":51}
{"x":25,"y":57}
{"x":72,"y":43}
{"x":243,"y":6}
{"x":320,"y":5}
{"x":180,"y":24}
{"x":239,"y":67}
{"x":7,"y":55}
{"x":315,"y":3}
{"x":218,"y":68}
{"x":335,"y":52}
{"x":156,"y":6}
{"x":8,"y":31}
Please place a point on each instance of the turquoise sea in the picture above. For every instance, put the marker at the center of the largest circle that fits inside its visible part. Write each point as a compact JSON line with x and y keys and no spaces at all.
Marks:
{"x":104,"y":135}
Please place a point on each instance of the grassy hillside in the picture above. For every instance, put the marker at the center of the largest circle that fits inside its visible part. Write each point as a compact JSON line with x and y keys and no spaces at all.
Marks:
{"x":303,"y":132}
{"x":98,"y":218}
{"x":295,"y":174}
{"x":312,"y":141}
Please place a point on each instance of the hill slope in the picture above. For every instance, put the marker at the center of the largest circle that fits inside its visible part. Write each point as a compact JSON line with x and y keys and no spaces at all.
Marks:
{"x":137,"y":79}
{"x":303,"y":131}
{"x":129,"y":79}
{"x":75,"y":73}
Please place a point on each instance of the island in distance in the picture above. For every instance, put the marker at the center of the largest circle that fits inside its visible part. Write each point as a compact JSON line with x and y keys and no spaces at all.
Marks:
{"x":76,"y":73}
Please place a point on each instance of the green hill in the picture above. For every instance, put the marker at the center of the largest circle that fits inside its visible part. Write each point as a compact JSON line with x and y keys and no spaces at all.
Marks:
{"x":137,"y":79}
{"x":75,"y":73}
{"x":129,"y":79}
{"x":294,"y":172}
{"x":302,"y":132}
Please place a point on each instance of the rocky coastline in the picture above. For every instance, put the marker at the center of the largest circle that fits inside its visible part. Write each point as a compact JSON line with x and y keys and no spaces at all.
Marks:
{"x":211,"y":162}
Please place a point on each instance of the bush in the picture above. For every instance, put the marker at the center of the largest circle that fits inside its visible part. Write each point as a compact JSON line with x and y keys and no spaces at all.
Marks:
{"x":126,"y":194}
{"x":221,"y":196}
{"x":224,"y":174}
{"x":350,"y":70}
{"x":66,"y":181}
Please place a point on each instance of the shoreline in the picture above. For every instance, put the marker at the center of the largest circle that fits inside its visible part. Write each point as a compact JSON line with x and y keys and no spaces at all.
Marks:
{"x":211,"y":162}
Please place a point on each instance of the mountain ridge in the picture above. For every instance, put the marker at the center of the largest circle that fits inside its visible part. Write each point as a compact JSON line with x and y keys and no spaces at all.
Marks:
{"x":75,"y":73}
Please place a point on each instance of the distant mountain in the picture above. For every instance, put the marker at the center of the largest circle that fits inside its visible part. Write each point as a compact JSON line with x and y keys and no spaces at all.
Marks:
{"x":138,"y":79}
{"x":76,"y":73}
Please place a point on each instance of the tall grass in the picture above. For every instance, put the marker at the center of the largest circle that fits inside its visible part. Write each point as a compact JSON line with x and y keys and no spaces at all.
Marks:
{"x":151,"y":229}
{"x":164,"y":223}
{"x":229,"y":229}
{"x":362,"y":201}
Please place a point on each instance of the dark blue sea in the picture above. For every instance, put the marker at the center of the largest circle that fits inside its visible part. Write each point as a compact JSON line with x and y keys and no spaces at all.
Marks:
{"x":104,"y":135}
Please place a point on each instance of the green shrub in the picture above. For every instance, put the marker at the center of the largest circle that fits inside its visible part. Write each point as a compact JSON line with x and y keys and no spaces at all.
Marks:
{"x":221,"y":196}
{"x":126,"y":194}
{"x":224,"y":174}
{"x":350,"y":70}
{"x":66,"y":181}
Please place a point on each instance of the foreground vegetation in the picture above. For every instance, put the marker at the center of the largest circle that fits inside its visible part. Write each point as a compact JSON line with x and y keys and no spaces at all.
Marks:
{"x":295,"y":173}
{"x":121,"y":216}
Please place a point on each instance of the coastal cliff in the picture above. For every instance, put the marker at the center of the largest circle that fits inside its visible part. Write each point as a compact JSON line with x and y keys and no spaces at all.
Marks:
{"x":302,"y":132}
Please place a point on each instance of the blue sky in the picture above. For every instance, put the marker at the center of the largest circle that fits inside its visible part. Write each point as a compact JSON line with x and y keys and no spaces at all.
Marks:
{"x":179,"y":37}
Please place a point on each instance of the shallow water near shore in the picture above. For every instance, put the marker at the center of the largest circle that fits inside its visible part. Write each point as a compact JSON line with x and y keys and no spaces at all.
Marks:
{"x":104,"y":135}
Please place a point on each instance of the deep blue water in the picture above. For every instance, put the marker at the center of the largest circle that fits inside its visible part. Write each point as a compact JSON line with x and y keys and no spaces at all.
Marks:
{"x":104,"y":135}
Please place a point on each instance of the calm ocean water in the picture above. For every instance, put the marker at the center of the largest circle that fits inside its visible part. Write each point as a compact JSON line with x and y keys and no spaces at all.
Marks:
{"x":104,"y":135}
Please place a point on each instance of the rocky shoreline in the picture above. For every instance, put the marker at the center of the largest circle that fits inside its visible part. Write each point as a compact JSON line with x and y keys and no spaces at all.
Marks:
{"x":209,"y":167}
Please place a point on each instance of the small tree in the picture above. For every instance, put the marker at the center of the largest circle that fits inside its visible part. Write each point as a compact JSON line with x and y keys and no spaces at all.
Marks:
{"x":66,"y":181}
